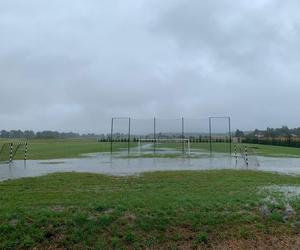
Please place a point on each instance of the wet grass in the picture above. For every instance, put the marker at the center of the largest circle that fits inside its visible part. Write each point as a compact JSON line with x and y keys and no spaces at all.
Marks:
{"x":261,"y":150}
{"x":274,"y":151}
{"x":72,"y":148}
{"x":59,"y":149}
{"x":165,"y":210}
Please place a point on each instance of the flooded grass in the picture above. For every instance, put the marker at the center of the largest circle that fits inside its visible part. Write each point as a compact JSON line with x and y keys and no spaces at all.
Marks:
{"x":65,"y":148}
{"x":74,"y":148}
{"x":186,"y":209}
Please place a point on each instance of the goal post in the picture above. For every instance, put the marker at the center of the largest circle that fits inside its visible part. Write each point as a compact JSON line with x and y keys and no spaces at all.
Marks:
{"x":184,"y":143}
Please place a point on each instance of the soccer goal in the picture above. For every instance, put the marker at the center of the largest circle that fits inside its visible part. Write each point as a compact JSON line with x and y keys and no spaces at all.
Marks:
{"x":164,"y":145}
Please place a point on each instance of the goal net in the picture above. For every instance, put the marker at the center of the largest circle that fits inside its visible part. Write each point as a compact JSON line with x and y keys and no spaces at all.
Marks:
{"x":166,"y":145}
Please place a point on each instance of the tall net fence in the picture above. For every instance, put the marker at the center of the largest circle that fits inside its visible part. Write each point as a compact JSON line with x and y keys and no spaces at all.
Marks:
{"x":220,"y":135}
{"x":142,"y":132}
{"x":159,"y":134}
{"x":120,"y":134}
{"x":170,"y":134}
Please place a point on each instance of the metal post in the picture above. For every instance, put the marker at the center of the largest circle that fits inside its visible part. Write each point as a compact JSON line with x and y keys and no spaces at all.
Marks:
{"x":210,"y":137}
{"x":230,"y":136}
{"x":11,"y":152}
{"x":129,"y":134}
{"x":26,"y":150}
{"x":111,"y":135}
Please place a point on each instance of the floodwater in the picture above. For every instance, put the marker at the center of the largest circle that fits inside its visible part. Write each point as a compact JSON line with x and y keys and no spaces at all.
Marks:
{"x":119,"y":164}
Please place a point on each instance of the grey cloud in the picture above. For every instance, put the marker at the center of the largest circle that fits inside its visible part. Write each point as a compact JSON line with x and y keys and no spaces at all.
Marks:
{"x":71,"y":65}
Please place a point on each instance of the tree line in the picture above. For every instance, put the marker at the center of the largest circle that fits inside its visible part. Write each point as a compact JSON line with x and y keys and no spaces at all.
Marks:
{"x":284,"y":131}
{"x":47,"y":134}
{"x":283,"y":136}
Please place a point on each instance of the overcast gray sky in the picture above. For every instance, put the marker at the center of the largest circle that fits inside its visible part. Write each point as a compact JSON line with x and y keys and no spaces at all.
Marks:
{"x":72,"y":64}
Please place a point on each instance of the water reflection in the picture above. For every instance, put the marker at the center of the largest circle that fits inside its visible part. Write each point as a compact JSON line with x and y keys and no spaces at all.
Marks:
{"x":119,"y":165}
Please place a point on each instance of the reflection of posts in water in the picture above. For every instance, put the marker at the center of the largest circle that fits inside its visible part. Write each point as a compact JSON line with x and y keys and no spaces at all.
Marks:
{"x":246,"y":156}
{"x":10,"y":169}
{"x":235,"y":154}
{"x":139,"y":146}
{"x":111,"y":158}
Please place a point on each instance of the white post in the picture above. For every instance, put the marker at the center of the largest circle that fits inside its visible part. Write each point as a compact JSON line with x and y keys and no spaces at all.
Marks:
{"x":26,"y":150}
{"x":11,"y":152}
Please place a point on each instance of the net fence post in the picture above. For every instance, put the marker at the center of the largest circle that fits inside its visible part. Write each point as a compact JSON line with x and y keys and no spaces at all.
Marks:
{"x":210,"y":137}
{"x":129,"y":134}
{"x":230,"y":136}
{"x":111,"y":135}
{"x":154,"y":134}
{"x":182,"y":133}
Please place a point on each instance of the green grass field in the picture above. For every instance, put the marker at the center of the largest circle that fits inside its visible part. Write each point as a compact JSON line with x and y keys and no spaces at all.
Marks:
{"x":72,"y":148}
{"x":69,"y":148}
{"x":274,"y":151}
{"x":162,"y":210}
{"x":261,"y":150}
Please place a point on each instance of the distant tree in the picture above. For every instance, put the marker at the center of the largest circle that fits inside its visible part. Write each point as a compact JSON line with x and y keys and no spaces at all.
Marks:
{"x":4,"y":134}
{"x":239,"y":133}
{"x":29,"y":134}
{"x":16,"y":134}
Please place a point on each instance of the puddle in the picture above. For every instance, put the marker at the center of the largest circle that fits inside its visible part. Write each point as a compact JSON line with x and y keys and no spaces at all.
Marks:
{"x":120,"y":164}
{"x":279,"y":201}
{"x":288,"y":191}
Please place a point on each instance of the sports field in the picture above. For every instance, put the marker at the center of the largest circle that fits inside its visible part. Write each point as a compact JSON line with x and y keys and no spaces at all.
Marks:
{"x":217,"y":209}
{"x":64,"y":148}
{"x":72,"y":148}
